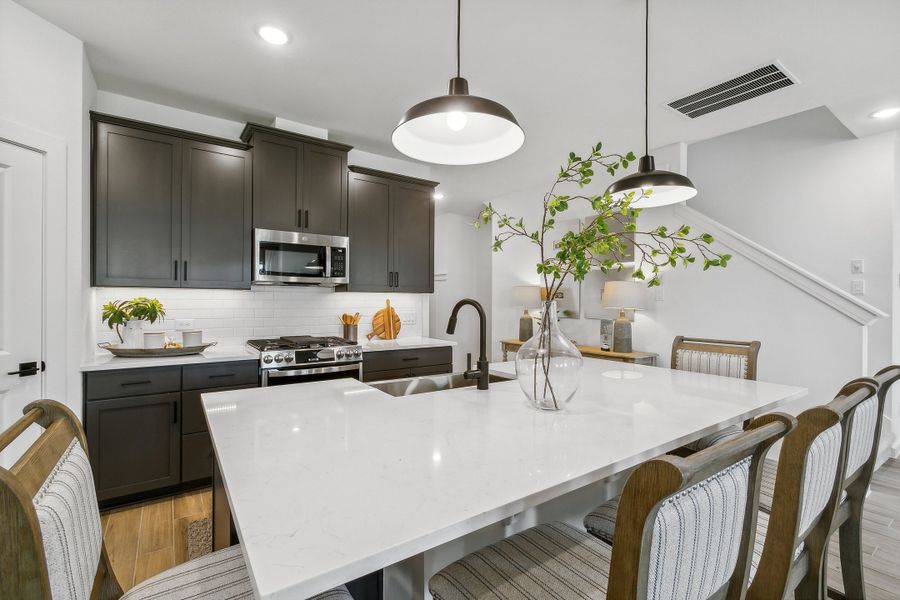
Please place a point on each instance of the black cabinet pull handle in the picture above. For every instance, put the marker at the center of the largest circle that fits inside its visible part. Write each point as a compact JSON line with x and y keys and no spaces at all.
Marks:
{"x":220,"y":375}
{"x":409,"y":358}
{"x":306,"y":212}
{"x":128,"y":383}
{"x":185,"y":270}
{"x":396,"y":278}
{"x":299,"y":218}
{"x":174,"y":412}
{"x":176,"y":270}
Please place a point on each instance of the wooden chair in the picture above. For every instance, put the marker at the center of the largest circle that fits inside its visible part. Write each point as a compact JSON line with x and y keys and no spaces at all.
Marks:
{"x":807,"y":491}
{"x":714,"y":357}
{"x":52,"y":544}
{"x":716,"y":489}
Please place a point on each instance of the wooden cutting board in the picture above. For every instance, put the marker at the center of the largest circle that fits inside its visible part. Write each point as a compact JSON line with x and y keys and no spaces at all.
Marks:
{"x":385,"y":323}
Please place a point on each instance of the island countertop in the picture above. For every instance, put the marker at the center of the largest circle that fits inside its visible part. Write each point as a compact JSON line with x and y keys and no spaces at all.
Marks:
{"x":328,"y":481}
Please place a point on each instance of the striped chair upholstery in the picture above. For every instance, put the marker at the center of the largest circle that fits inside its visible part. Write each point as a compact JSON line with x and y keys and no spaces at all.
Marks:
{"x":715,"y":357}
{"x":819,"y":475}
{"x":697,"y":535}
{"x":221,"y":575}
{"x":862,"y":434}
{"x":66,"y":508}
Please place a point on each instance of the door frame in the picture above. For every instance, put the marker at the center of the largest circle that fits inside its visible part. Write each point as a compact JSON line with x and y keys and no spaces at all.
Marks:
{"x":58,"y":277}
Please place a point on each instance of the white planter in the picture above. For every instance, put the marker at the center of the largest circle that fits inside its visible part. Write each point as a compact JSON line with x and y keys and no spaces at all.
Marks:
{"x":133,"y":334}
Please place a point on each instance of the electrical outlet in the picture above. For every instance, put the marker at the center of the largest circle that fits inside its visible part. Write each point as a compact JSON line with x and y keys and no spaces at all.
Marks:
{"x":181,"y":324}
{"x":858,"y":287}
{"x":857,"y":266}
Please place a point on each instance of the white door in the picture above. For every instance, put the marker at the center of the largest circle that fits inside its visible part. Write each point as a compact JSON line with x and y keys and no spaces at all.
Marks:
{"x":21,"y":287}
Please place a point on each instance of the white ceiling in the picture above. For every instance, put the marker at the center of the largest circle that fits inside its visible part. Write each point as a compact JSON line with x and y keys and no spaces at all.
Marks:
{"x":570,"y":70}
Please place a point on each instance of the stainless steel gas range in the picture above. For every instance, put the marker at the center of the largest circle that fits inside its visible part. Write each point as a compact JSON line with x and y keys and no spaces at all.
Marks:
{"x":298,"y":359}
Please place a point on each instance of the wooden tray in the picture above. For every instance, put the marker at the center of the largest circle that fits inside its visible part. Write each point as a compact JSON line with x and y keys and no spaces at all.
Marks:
{"x":153,"y":352}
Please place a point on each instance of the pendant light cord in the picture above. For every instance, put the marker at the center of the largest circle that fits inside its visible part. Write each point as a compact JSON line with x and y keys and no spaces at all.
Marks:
{"x":646,"y":78}
{"x":458,"y":27}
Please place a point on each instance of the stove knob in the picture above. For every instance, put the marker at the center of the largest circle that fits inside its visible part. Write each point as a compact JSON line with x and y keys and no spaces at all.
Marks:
{"x":279,"y":358}
{"x":288,"y":358}
{"x":358,"y":352}
{"x":267,"y":359}
{"x":339,"y":354}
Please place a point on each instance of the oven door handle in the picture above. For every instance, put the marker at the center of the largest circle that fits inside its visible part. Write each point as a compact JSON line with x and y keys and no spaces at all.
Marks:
{"x":276,"y":373}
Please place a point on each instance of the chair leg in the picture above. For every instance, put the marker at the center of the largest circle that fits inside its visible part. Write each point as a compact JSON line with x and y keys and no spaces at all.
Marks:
{"x":850,"y":537}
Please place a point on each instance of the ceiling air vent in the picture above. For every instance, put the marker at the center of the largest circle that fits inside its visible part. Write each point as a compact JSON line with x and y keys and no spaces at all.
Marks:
{"x":734,"y":91}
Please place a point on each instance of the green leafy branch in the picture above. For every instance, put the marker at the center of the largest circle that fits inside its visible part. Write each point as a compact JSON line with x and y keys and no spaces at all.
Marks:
{"x":611,"y":235}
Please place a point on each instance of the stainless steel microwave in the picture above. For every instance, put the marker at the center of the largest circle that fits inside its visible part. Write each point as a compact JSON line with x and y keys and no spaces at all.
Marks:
{"x":289,"y":257}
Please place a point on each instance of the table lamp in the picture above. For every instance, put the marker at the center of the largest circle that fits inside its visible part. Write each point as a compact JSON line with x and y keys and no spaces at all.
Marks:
{"x":526,"y":296}
{"x":623,"y":295}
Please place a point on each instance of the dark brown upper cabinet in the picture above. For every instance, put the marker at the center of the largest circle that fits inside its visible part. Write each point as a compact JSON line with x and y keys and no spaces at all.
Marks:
{"x":170,"y":208}
{"x":391,"y":228}
{"x":299,"y":182}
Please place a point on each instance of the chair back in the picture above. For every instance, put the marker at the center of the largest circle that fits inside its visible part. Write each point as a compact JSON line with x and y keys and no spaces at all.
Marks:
{"x":686,"y":526}
{"x":715,"y":357}
{"x":865,"y":432}
{"x":49,"y":518}
{"x":807,"y":489}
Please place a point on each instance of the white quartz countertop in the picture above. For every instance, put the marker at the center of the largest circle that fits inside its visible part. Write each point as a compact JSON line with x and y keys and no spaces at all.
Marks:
{"x":328,"y":481}
{"x":215,"y":354}
{"x":403,"y":343}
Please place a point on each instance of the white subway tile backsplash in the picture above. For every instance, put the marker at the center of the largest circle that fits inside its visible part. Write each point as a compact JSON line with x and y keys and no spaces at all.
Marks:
{"x":231,"y":317}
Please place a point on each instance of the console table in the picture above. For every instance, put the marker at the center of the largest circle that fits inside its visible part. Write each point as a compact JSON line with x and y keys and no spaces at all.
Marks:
{"x":640,"y":358}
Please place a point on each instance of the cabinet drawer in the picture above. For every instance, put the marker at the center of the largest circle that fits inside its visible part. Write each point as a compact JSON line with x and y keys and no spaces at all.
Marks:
{"x":132,"y":382}
{"x":388,"y":360}
{"x":227,"y":374}
{"x":196,"y":457}
{"x":193,"y":419}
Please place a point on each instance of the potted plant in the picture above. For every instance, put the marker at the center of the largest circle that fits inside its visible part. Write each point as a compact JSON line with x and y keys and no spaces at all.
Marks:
{"x":549,"y":365}
{"x":132,"y":314}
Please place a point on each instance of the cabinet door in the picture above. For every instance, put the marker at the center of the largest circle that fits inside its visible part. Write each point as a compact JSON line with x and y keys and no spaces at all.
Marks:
{"x":324,"y":190}
{"x":370,"y":227}
{"x":412,"y":238}
{"x":136,"y":207}
{"x":134,"y":444}
{"x":216,"y":217}
{"x":277,"y":168}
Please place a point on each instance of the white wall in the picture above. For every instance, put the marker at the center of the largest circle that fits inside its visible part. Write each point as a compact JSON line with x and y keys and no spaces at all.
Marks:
{"x":49,"y":93}
{"x":805,"y":188}
{"x":462,"y":270}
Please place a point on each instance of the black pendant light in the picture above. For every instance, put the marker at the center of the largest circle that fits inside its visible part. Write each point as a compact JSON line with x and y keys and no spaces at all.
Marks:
{"x":458,"y":129}
{"x":668,"y":187}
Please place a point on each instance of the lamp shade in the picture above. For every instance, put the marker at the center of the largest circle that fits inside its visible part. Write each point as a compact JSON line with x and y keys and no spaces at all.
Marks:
{"x":666,"y":187}
{"x":458,"y":129}
{"x":527,"y":295}
{"x":623,"y":294}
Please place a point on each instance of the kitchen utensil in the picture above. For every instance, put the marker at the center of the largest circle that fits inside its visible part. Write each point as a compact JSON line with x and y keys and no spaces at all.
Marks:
{"x":351,"y":332}
{"x":193,"y":337}
{"x":154,"y":339}
{"x":117,"y":350}
{"x":385,"y":323}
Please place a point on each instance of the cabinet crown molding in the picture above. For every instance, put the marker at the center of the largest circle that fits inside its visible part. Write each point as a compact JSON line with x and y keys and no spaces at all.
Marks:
{"x":251,"y":128}
{"x":97,"y":117}
{"x":394,"y":176}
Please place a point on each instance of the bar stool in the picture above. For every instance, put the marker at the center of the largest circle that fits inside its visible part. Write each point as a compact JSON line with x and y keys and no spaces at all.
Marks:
{"x":52,"y":541}
{"x":707,"y":502}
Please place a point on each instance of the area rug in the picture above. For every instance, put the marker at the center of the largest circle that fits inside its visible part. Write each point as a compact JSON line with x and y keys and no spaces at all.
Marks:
{"x":199,"y":538}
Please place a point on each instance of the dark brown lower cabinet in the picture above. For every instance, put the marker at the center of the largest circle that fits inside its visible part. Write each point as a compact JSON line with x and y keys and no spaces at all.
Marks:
{"x":135,"y":443}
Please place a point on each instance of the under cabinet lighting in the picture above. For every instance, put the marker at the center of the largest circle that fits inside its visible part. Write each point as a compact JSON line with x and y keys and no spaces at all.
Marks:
{"x":273,"y":35}
{"x":438,"y":196}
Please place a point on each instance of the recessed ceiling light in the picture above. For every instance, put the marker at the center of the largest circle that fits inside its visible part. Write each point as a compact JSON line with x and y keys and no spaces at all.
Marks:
{"x":886,"y":113}
{"x":273,"y":35}
{"x":438,"y":195}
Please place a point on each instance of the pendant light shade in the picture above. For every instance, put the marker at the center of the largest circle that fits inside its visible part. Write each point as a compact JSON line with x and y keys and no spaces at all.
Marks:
{"x":666,"y":187}
{"x":458,"y":129}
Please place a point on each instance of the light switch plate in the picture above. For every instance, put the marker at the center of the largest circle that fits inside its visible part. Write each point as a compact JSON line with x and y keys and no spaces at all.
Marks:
{"x":857,"y":266}
{"x":858,"y":287}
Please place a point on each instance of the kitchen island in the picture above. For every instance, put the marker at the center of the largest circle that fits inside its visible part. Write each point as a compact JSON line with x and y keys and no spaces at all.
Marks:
{"x":329,"y":481}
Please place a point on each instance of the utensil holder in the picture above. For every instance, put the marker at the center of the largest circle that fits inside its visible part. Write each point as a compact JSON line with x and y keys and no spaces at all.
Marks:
{"x":351,"y":333}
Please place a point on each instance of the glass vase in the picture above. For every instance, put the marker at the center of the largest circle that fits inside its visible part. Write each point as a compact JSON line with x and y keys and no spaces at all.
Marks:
{"x":549,"y":364}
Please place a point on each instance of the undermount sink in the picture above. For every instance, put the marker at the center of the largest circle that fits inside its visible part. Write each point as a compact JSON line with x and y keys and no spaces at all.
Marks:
{"x":432,"y":383}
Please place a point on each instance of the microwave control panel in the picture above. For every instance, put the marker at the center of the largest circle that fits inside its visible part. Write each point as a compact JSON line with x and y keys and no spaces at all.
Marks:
{"x":338,"y":262}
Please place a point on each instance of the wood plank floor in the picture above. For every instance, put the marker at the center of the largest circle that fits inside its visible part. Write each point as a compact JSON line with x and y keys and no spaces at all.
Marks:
{"x":881,"y":538}
{"x":145,"y":539}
